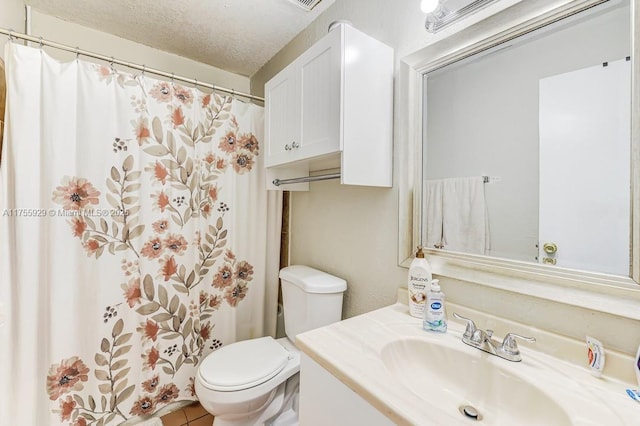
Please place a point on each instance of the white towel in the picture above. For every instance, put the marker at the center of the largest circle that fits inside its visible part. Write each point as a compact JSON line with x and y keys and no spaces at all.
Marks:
{"x":465,"y":225}
{"x":432,"y":213}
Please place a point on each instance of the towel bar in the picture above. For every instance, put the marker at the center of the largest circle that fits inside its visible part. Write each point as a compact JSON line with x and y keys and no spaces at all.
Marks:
{"x":278,"y":182}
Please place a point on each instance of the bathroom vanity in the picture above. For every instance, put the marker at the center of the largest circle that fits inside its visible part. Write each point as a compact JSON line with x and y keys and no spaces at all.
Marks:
{"x":381,"y":368}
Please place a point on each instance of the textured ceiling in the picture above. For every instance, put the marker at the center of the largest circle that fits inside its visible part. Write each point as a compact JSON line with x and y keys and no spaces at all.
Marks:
{"x":235,"y":35}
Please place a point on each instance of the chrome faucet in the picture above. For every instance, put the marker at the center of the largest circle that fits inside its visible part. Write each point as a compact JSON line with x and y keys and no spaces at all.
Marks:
{"x":483,"y":340}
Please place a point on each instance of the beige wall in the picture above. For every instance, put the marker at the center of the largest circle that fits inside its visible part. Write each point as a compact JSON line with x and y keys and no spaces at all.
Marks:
{"x":350,"y":232}
{"x":353,"y":232}
{"x":12,"y":15}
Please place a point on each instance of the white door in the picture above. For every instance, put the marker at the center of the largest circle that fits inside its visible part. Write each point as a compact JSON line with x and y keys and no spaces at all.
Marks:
{"x":584,"y":168}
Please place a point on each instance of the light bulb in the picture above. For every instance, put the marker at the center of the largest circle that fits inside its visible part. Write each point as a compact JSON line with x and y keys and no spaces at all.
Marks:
{"x":429,"y":6}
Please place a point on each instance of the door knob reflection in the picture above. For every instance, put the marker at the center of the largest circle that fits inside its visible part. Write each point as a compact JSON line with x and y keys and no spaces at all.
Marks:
{"x":550,"y":248}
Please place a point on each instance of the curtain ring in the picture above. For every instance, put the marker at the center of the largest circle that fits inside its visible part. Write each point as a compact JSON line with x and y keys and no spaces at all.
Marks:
{"x":77,"y":53}
{"x":11,"y":35}
{"x":40,"y":42}
{"x":196,"y":84}
{"x":233,"y":93}
{"x":144,"y":68}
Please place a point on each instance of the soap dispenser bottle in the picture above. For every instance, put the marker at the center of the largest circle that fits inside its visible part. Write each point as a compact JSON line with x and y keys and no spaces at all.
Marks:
{"x":435,"y":317}
{"x":419,"y":278}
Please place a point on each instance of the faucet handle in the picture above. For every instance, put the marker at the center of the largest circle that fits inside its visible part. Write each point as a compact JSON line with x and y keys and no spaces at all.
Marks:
{"x":471,"y":326}
{"x":509,"y":344}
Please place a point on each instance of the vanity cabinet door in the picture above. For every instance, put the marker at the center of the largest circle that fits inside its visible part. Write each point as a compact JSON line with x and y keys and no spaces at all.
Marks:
{"x":282,"y":115}
{"x":325,"y":400}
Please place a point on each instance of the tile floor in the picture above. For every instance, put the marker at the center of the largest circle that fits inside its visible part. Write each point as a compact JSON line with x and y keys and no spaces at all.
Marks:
{"x":192,"y":415}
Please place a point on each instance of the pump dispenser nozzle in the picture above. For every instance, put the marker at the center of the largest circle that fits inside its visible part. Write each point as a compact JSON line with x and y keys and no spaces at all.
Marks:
{"x":435,"y":285}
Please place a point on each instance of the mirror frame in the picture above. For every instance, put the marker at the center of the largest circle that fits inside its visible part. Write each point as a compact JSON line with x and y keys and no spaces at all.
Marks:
{"x":617,"y":295}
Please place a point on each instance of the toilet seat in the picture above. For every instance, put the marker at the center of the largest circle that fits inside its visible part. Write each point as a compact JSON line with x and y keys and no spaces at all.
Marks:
{"x":243,"y":365}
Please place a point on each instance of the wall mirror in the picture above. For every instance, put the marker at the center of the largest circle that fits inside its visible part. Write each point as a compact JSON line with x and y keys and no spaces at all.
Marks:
{"x":527,"y":147}
{"x":526,"y":126}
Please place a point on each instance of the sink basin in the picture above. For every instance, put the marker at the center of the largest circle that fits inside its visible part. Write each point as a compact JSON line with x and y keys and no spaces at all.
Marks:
{"x":412,"y":377}
{"x":452,"y":378}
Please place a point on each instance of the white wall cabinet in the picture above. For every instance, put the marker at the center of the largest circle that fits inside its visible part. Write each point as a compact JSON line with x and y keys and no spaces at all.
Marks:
{"x":332,"y":108}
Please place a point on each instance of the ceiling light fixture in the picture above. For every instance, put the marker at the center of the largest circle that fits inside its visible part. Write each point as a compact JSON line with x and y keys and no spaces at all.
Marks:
{"x":447,"y":12}
{"x":429,"y":6}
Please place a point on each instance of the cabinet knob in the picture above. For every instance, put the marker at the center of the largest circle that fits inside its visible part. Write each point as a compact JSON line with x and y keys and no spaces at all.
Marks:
{"x":287,"y":147}
{"x":294,"y":145}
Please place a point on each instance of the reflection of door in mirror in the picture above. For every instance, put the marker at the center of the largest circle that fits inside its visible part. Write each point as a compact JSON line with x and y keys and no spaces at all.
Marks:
{"x":584,"y":192}
{"x":483,"y":119}
{"x":3,"y":91}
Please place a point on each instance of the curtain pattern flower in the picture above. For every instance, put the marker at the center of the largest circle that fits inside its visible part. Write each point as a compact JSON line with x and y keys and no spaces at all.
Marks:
{"x":159,"y":213}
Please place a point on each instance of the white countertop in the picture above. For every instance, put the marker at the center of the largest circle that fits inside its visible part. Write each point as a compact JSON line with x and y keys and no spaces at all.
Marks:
{"x":350,"y":350}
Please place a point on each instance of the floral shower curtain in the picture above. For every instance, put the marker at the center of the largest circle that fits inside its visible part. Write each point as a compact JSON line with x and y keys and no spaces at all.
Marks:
{"x":136,"y":238}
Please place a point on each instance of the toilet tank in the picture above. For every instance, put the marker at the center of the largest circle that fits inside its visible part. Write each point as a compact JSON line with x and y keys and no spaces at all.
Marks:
{"x":310,"y":298}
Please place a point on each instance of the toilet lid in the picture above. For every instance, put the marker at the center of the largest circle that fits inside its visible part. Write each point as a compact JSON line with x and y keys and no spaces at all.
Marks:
{"x":243,"y":365}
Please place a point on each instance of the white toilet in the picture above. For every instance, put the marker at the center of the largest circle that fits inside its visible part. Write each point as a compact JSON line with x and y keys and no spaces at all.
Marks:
{"x":255,"y":381}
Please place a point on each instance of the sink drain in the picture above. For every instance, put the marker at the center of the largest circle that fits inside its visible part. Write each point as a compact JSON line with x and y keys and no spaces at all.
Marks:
{"x":470,"y":412}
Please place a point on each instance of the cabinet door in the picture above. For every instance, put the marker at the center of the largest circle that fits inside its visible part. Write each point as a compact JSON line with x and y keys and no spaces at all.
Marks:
{"x":325,"y":400}
{"x":282,"y":117}
{"x":320,"y":79}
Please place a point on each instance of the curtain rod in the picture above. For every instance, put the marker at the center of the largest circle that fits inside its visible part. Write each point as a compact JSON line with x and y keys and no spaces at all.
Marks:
{"x":12,"y":34}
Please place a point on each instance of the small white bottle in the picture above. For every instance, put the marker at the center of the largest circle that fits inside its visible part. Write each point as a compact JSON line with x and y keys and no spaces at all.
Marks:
{"x":419,"y":278}
{"x":435,"y":317}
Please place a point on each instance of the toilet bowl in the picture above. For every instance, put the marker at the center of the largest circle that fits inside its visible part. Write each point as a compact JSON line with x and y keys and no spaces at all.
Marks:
{"x":245,"y":378}
{"x":245,"y":383}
